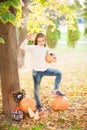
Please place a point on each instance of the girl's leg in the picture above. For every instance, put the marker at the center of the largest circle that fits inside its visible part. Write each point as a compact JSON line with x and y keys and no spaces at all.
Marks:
{"x":54,"y":72}
{"x":37,"y":79}
{"x":57,"y":73}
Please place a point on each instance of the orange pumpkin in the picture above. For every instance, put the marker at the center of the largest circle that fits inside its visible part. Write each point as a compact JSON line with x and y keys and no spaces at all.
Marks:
{"x":50,"y":57}
{"x":60,"y":103}
{"x":26,"y":103}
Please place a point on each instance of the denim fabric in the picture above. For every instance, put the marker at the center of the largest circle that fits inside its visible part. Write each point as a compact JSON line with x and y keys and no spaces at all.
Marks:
{"x":37,"y":76}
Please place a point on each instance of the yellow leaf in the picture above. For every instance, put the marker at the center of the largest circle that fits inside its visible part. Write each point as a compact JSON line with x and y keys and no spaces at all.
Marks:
{"x":85,"y":105}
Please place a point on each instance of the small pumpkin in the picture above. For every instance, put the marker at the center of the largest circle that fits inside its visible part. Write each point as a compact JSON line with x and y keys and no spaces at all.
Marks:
{"x":60,"y":103}
{"x":26,"y":103}
{"x":50,"y":57}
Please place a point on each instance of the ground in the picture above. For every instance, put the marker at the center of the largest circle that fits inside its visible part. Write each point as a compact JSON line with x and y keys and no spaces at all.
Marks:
{"x":73,"y":65}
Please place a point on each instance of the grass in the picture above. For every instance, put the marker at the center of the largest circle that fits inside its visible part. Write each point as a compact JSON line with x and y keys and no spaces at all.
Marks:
{"x":7,"y":126}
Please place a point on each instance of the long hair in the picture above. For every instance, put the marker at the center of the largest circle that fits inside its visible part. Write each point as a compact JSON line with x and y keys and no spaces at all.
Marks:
{"x":38,"y":36}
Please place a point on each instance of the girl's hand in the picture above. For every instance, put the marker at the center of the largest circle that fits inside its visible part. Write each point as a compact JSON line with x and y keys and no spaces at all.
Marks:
{"x":30,"y":37}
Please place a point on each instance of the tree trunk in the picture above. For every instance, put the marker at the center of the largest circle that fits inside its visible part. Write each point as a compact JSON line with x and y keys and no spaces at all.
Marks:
{"x":8,"y":63}
{"x":23,"y":33}
{"x":21,"y":52}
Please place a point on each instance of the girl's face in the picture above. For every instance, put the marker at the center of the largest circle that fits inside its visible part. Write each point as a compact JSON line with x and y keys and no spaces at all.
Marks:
{"x":41,"y":41}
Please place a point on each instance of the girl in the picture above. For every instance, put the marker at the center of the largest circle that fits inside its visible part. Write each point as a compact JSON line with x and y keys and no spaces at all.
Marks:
{"x":39,"y":65}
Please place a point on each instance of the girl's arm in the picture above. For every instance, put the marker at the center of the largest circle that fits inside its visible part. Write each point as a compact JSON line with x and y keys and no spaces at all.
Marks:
{"x":24,"y":45}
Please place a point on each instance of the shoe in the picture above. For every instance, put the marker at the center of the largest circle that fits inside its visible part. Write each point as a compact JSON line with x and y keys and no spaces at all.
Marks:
{"x":57,"y":93}
{"x":40,"y":108}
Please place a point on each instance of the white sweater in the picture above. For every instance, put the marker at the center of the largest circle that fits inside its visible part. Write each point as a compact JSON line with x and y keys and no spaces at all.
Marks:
{"x":38,"y":54}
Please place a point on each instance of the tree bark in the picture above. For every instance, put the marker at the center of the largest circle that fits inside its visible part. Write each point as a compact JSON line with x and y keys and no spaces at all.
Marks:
{"x":23,"y":33}
{"x":21,"y":52}
{"x":8,"y":63}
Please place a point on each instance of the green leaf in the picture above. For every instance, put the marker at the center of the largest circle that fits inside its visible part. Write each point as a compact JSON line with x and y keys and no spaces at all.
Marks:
{"x":42,"y":1}
{"x":3,"y":8}
{"x":8,"y":17}
{"x":5,"y":17}
{"x":30,"y":42}
{"x":1,"y":40}
{"x":72,"y":7}
{"x":15,"y":3}
{"x":7,"y":3}
{"x":77,"y":4}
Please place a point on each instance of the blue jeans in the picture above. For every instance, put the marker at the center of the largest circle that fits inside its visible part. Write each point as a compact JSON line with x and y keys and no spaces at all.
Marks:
{"x":37,"y":76}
